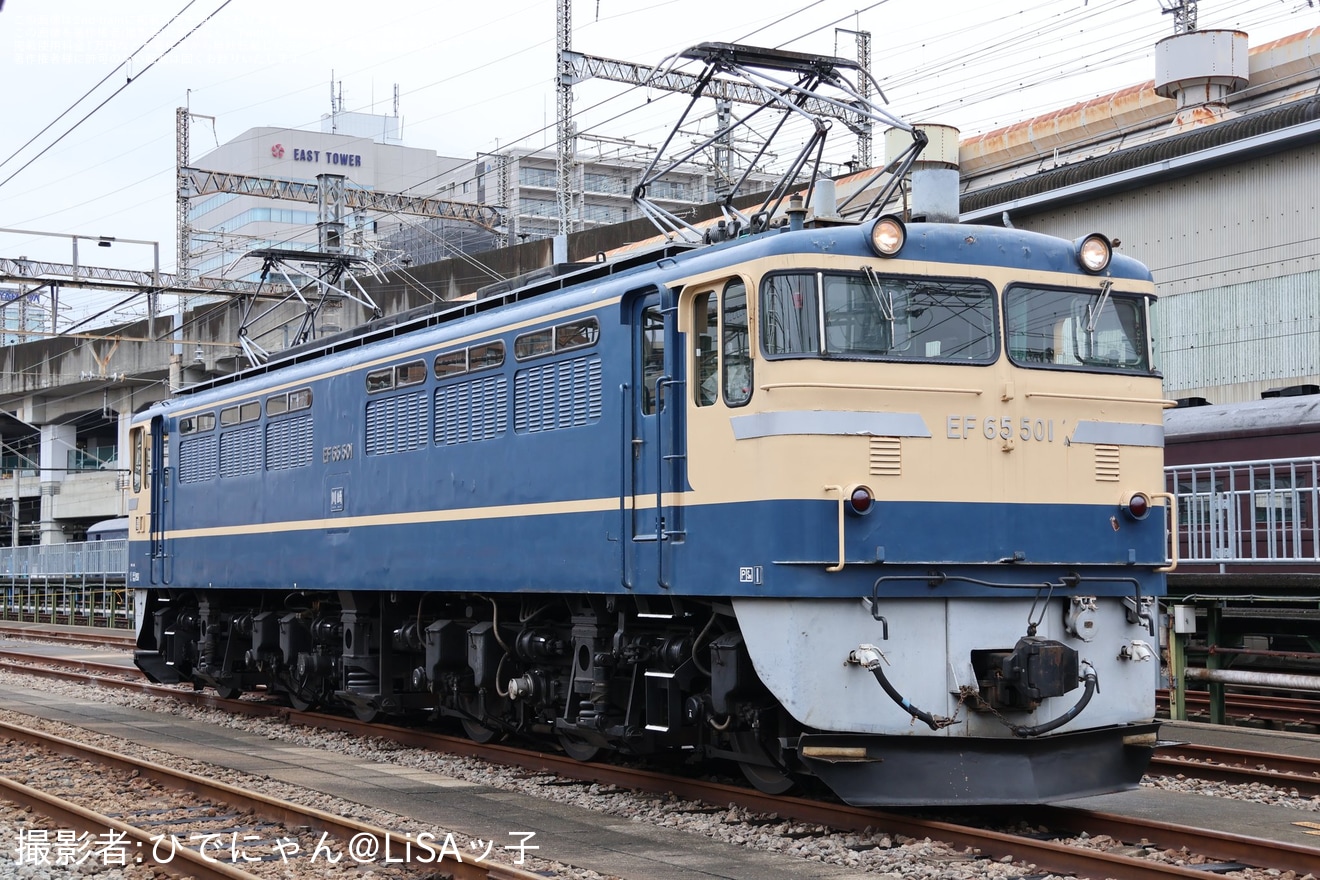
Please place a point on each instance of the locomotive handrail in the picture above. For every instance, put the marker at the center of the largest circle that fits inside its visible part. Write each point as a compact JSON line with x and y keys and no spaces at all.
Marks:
{"x":1162,"y":401}
{"x":843,"y":496}
{"x":849,"y":387}
{"x":1172,"y":525}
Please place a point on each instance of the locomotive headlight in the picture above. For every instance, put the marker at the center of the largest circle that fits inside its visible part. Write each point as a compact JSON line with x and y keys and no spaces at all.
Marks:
{"x":860,"y":500}
{"x":1094,"y":252}
{"x":888,"y":235}
{"x":1136,"y":505}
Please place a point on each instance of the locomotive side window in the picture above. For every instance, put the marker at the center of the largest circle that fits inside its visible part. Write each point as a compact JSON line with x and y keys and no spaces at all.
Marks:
{"x":564,"y":337}
{"x":530,"y":345}
{"x":577,"y":334}
{"x":736,"y":354}
{"x":277,"y":404}
{"x":486,"y":355}
{"x":197,"y":424}
{"x":465,"y":360}
{"x":237,"y":415}
{"x":380,"y":380}
{"x":1077,"y":329}
{"x":862,"y":315}
{"x":300,"y":399}
{"x":705,"y":327}
{"x":410,"y":374}
{"x":452,"y":364}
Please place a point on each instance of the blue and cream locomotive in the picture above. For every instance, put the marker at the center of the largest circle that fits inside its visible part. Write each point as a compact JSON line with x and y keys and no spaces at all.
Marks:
{"x":875,"y":503}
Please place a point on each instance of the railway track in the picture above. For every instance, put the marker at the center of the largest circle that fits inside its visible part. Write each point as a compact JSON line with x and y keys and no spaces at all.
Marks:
{"x":1254,"y":707}
{"x":1061,"y":857}
{"x":1239,"y":766}
{"x":188,"y":823}
{"x":107,"y":638}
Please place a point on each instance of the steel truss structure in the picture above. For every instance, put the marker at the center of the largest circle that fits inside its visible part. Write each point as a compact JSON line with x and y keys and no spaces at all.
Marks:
{"x":331,"y":271}
{"x":813,"y":88}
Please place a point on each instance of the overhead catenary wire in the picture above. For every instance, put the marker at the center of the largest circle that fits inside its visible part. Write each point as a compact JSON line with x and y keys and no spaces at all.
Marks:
{"x":86,"y":94}
{"x":1001,"y":45}
{"x":128,"y":82}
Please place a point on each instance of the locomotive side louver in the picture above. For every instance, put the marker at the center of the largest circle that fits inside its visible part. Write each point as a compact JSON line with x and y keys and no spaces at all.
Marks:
{"x":886,"y":457}
{"x":1106,"y":464}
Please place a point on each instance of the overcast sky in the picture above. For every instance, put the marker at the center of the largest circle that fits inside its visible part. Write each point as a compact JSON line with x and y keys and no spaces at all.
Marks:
{"x":480,"y":76}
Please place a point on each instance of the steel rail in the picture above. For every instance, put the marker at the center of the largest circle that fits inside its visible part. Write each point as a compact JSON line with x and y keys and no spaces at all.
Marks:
{"x":270,"y":808}
{"x":1223,"y":845}
{"x":1045,"y":854}
{"x":111,"y":639}
{"x":1239,"y":766}
{"x":74,"y":817}
{"x":1269,"y":708}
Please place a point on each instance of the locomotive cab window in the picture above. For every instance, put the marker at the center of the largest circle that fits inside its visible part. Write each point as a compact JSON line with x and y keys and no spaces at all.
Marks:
{"x":137,"y":458}
{"x":735,"y":346}
{"x":705,"y":332}
{"x":1092,"y":329}
{"x":721,"y":345}
{"x":653,"y":359}
{"x":864,"y":315}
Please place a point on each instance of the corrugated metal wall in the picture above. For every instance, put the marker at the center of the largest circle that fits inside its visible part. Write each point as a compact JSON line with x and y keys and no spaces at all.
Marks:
{"x":1235,"y":252}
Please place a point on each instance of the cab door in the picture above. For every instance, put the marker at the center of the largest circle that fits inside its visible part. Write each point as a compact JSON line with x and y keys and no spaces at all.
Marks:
{"x":147,"y":504}
{"x":653,"y":455}
{"x":158,"y":482}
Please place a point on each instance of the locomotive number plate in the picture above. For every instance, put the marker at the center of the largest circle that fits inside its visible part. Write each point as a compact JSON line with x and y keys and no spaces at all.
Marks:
{"x":999,"y":428}
{"x":342,"y":452}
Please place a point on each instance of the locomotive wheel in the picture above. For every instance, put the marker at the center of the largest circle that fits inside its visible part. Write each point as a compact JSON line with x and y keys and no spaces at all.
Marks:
{"x":478,"y":732}
{"x":768,"y":780}
{"x":299,"y":702}
{"x":229,"y":693}
{"x":367,"y":714}
{"x":578,"y":749}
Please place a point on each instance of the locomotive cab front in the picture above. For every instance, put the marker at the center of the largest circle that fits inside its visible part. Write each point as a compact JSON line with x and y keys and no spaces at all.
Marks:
{"x":926,"y":460}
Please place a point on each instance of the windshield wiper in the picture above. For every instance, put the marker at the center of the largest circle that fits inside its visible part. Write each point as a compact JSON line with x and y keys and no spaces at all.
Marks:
{"x":1093,"y":312}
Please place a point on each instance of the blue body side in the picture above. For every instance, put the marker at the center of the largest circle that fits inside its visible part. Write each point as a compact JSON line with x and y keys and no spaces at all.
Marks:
{"x":420,"y":540}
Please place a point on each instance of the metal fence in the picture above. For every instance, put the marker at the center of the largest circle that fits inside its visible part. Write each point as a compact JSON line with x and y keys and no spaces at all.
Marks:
{"x":81,"y":584}
{"x":1260,"y":512}
{"x":94,"y":560}
{"x":68,"y":604}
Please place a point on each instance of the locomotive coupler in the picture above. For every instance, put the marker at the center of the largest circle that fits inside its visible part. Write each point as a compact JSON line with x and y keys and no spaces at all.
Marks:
{"x":1018,"y":680}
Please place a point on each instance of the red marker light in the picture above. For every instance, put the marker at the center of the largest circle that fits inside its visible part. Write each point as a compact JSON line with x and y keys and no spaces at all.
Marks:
{"x":1137,"y":506}
{"x":860,"y":501}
